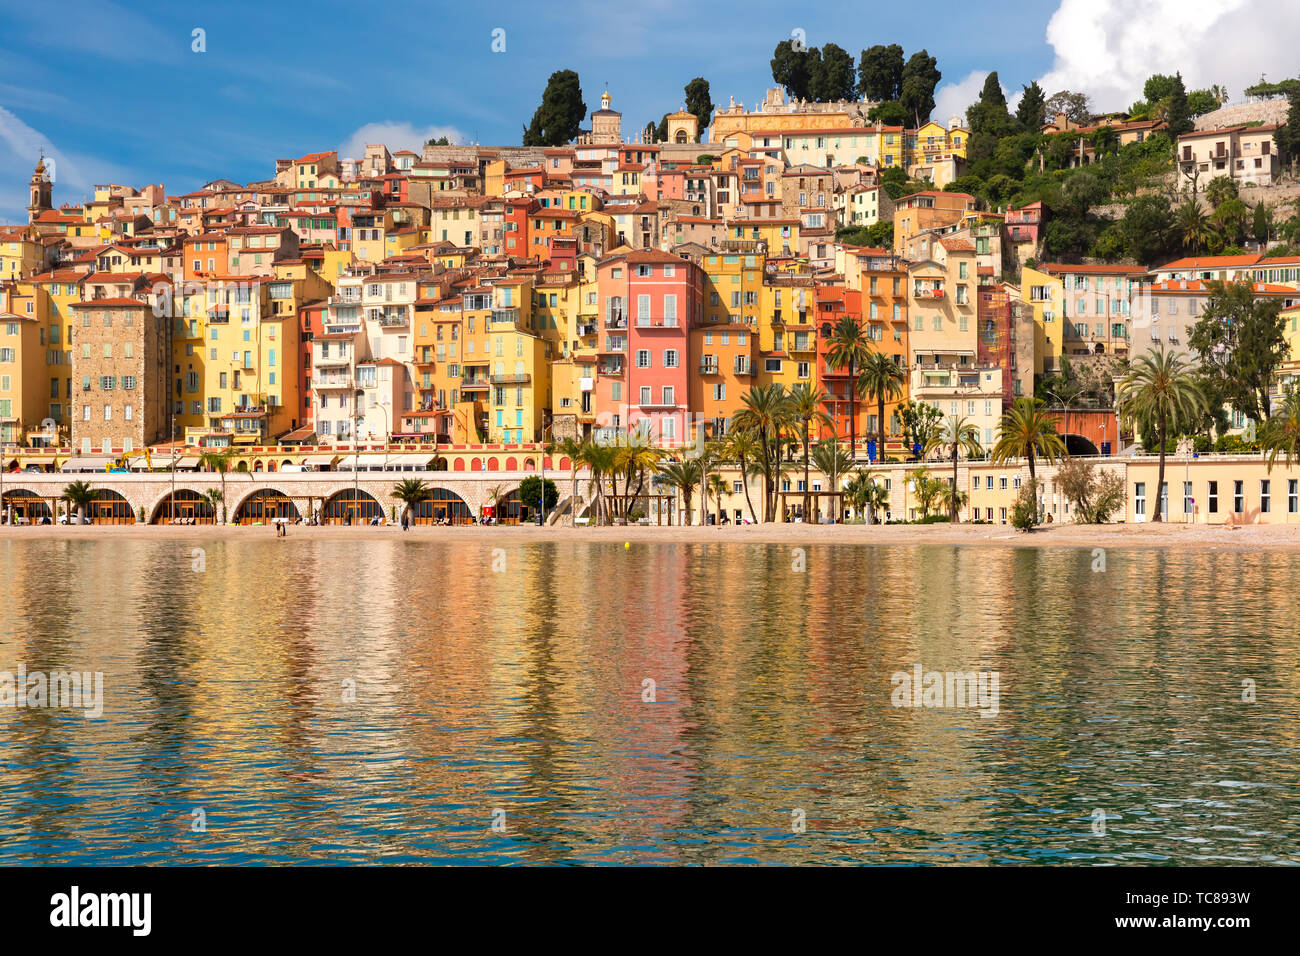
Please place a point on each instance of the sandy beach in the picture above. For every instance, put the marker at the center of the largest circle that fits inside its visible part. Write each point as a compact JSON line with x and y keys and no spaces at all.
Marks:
{"x":1219,"y":537}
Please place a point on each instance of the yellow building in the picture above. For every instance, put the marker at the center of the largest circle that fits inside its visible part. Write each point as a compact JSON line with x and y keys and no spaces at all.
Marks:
{"x":23,"y":252}
{"x":27,"y":389}
{"x":1044,"y":294}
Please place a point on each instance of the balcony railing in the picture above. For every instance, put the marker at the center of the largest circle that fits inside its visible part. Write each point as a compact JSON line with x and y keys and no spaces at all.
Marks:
{"x":522,"y":379}
{"x":616,"y":321}
{"x":475,"y":381}
{"x":744,"y":368}
{"x":610,"y":368}
{"x":584,"y":330}
{"x":928,"y":293}
{"x":656,"y":322}
{"x":708,"y":368}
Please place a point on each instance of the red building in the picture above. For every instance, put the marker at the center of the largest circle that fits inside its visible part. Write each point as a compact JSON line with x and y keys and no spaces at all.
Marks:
{"x":648,"y":301}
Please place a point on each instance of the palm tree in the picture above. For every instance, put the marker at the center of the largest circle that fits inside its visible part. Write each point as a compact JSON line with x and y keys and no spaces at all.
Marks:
{"x":765,"y":414}
{"x":1230,"y":218}
{"x":410,"y":492}
{"x":632,"y":461}
{"x":850,"y":348}
{"x":833,"y":462}
{"x":219,"y":461}
{"x":80,"y":494}
{"x":570,"y":448}
{"x":706,"y":459}
{"x":718,"y":487}
{"x":1281,"y":433}
{"x":1159,"y":392}
{"x":1027,"y":430}
{"x":957,"y":434}
{"x":684,"y":476}
{"x":599,"y":460}
{"x":1194,"y":226}
{"x":882,"y":377}
{"x":806,"y":403}
{"x":739,"y":446}
{"x":213,"y":497}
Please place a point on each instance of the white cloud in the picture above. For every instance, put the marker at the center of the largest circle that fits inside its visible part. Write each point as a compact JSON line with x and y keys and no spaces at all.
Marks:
{"x":396,"y":136}
{"x":20,"y":147}
{"x":952,"y":99}
{"x":1108,"y":48}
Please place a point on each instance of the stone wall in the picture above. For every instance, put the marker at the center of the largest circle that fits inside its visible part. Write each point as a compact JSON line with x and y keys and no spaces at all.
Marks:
{"x":1261,"y":111}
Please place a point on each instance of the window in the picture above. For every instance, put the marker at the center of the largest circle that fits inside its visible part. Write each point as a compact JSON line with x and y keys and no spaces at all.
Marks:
{"x":669,"y":395}
{"x":1265,"y":495}
{"x":1238,"y":497}
{"x":1212,"y":498}
{"x":670,"y":358}
{"x":1140,"y":499}
{"x":642,"y":358}
{"x":645,"y":394}
{"x":1292,"y":495}
{"x":772,"y":365}
{"x":1188,"y":501}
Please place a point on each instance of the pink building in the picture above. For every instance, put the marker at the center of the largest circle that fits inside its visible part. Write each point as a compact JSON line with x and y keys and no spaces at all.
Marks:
{"x":1024,"y":225}
{"x":648,"y":300}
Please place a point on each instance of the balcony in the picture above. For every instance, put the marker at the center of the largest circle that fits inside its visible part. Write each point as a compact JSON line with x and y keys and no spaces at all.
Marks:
{"x":744,"y":367}
{"x":323,"y":382}
{"x":928,"y":293}
{"x":656,"y":322}
{"x":610,"y":367}
{"x":505,"y":317}
{"x":585,"y":330}
{"x":474,"y":382}
{"x":522,"y":379}
{"x":616,"y":320}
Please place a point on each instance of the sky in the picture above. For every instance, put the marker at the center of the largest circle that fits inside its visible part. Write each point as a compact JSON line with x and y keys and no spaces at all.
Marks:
{"x":118,"y":92}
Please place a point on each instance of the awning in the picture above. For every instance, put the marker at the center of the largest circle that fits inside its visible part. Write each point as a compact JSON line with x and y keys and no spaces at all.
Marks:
{"x":316,"y":460}
{"x":187,"y":462}
{"x":88,"y":463}
{"x":378,"y":460}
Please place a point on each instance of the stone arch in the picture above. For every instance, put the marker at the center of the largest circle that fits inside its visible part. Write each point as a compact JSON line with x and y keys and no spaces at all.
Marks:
{"x":508,"y":509}
{"x":265,"y":504}
{"x":442,"y":504}
{"x":355,"y":507}
{"x":20,"y":503}
{"x":1080,"y":445}
{"x":110,"y":507}
{"x":287,"y":461}
{"x":190,"y":507}
{"x":242,"y":466}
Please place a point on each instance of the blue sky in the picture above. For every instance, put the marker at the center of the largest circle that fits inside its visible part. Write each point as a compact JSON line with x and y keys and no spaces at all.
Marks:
{"x":116,"y":94}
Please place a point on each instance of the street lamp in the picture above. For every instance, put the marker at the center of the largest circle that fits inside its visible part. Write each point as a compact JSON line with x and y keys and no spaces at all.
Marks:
{"x":358,"y":420}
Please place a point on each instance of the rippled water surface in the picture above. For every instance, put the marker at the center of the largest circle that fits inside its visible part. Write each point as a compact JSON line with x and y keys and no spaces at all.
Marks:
{"x":522,"y":691}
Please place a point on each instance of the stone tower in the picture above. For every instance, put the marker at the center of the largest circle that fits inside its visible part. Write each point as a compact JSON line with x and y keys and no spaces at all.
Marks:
{"x":41,"y":192}
{"x":606,"y":124}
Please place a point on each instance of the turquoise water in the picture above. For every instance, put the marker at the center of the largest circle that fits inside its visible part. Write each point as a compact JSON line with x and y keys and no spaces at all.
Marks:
{"x":512,"y":688}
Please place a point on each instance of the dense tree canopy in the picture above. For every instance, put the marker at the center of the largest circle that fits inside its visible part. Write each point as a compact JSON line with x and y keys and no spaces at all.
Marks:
{"x":920,"y":77}
{"x":1032,"y":110}
{"x":700,"y":102}
{"x":559,"y":118}
{"x":833,"y":76}
{"x":880,"y":73}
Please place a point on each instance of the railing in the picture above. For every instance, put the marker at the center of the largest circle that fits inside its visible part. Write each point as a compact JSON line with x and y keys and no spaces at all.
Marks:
{"x":521,"y":379}
{"x":707,"y":368}
{"x":584,"y":330}
{"x":616,"y":321}
{"x":475,"y":381}
{"x":656,"y":322}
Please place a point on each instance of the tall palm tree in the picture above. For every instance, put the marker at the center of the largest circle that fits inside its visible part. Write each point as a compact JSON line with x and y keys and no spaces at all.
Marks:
{"x":765,"y":415}
{"x":718,"y":487}
{"x":883,"y":378}
{"x":707,"y":458}
{"x":219,"y":461}
{"x":833,"y":462}
{"x":957,"y":434}
{"x":410,"y":492}
{"x":1159,"y":393}
{"x":1027,"y":431}
{"x":806,"y":403}
{"x":850,"y":349}
{"x":1194,"y":226}
{"x":632,"y":461}
{"x":570,"y":448}
{"x":600,"y":461}
{"x":684,"y":476}
{"x":214,"y":497}
{"x":1280,"y":434}
{"x":739,"y":446}
{"x":80,"y":494}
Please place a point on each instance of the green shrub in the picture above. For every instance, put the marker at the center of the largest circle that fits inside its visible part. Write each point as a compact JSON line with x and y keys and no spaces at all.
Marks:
{"x":1024,"y":513}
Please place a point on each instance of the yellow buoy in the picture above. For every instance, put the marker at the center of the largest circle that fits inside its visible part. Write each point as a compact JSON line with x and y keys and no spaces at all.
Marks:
{"x":627,"y":544}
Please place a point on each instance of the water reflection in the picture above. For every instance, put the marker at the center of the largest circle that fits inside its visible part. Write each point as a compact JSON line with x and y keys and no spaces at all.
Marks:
{"x":330,"y":701}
